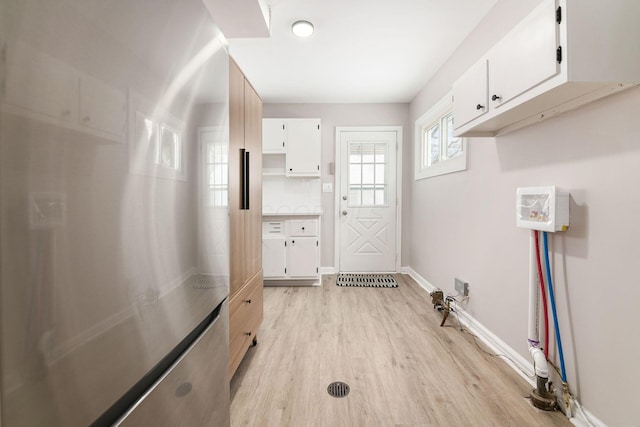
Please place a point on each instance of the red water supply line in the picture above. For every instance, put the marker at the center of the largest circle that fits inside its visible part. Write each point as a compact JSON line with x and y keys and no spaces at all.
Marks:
{"x":545,"y":349}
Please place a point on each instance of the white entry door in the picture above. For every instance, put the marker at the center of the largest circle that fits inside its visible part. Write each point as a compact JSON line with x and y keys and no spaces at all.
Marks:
{"x":367,"y":201}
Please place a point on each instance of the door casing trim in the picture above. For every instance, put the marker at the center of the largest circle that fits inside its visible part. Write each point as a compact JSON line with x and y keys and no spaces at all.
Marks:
{"x":337,"y":187}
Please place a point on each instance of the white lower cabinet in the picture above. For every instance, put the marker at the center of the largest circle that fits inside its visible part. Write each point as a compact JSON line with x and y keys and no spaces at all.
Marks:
{"x":290,"y":249}
{"x":302,"y":258}
{"x":274,"y":257}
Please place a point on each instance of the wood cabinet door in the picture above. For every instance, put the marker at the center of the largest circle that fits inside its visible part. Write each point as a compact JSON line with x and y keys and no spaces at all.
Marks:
{"x":253,"y":145}
{"x":526,"y":57}
{"x":236,"y":144}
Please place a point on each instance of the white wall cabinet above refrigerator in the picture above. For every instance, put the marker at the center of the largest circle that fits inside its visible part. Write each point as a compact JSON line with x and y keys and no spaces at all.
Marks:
{"x":556,"y":59}
{"x":59,"y":94}
{"x":298,"y":140}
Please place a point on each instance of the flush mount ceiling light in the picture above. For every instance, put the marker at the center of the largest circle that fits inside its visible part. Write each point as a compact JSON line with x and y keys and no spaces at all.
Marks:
{"x":302,"y":28}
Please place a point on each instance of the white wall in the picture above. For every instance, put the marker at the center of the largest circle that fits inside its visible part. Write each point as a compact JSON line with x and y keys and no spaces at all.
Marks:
{"x":466,"y":228}
{"x":333,"y":115}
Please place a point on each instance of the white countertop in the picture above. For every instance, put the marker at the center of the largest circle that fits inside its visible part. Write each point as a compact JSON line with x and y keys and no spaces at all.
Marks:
{"x":286,"y":213}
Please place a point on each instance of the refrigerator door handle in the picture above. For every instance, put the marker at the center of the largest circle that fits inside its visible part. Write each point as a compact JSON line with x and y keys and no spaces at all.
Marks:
{"x":246,"y":179}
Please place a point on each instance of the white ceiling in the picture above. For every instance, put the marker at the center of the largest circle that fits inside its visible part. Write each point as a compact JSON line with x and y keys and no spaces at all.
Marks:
{"x":363,"y":51}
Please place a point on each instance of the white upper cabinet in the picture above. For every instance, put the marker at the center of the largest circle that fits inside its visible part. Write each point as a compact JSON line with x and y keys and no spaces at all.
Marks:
{"x":526,"y":58}
{"x":39,"y":84}
{"x":471,"y":94}
{"x":102,"y":108}
{"x":45,"y":88}
{"x":303,"y":148}
{"x":273,"y":136}
{"x":564,"y":54}
{"x":299,"y":140}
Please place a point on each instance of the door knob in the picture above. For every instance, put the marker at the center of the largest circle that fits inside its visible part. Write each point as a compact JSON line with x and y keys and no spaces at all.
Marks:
{"x":344,"y":212}
{"x":495,"y":97}
{"x":479,"y":107}
{"x":344,"y":197}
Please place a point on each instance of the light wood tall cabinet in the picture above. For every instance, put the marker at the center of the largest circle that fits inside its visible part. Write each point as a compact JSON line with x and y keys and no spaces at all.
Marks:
{"x":245,"y":212}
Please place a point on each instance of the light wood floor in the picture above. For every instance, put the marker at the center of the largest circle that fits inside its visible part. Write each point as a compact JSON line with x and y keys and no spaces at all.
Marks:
{"x":402,"y":367}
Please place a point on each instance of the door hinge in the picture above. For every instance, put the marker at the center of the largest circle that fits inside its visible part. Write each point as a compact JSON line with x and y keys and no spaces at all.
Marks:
{"x":559,"y":15}
{"x":559,"y":54}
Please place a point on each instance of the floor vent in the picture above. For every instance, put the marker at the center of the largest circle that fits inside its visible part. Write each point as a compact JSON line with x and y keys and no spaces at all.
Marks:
{"x":338,"y":389}
{"x":367,"y":280}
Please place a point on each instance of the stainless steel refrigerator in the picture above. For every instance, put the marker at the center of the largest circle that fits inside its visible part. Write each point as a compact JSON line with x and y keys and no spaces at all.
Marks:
{"x":114,"y":259}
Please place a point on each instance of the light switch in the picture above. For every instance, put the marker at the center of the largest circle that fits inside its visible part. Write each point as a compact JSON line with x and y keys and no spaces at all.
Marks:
{"x":327,"y":187}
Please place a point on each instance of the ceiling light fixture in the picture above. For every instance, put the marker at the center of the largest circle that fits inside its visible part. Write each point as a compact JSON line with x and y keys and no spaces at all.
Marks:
{"x":302,"y":28}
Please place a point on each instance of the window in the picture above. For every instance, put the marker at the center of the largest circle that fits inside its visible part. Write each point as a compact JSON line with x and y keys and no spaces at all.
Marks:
{"x":218,"y":173}
{"x":157,"y":141}
{"x":367,"y":174}
{"x":169,"y":148}
{"x":437,"y":151}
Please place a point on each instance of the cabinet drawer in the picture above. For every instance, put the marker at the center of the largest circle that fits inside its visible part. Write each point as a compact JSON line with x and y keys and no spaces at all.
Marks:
{"x":245,"y":316}
{"x":303,"y":227}
{"x":273,"y":228}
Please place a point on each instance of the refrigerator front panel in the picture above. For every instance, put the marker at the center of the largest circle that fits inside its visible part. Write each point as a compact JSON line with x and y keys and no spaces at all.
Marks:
{"x":113,"y":225}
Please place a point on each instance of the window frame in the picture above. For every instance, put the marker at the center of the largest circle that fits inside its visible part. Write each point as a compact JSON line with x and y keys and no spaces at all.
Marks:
{"x":436,"y":115}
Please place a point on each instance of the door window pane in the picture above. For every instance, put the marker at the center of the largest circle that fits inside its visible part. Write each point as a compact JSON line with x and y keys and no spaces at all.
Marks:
{"x":367,"y":174}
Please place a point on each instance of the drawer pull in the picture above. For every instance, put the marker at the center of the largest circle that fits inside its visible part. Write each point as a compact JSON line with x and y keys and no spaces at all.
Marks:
{"x":248,"y":301}
{"x":248,"y":334}
{"x":183,"y":389}
{"x":302,"y":228}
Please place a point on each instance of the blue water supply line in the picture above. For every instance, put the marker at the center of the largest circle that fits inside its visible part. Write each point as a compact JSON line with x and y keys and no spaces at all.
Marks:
{"x":553,"y":307}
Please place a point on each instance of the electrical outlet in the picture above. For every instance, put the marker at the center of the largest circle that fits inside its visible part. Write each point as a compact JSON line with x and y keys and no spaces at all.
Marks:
{"x":462,"y":287}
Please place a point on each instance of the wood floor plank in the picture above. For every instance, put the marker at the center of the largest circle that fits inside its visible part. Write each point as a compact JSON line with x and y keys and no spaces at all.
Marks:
{"x":402,"y":367}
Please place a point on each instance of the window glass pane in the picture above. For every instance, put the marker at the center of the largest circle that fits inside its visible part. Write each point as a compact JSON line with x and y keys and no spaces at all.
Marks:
{"x":367,"y":196}
{"x":355,"y":156}
{"x":168,"y":150}
{"x":433,"y":142}
{"x":380,"y":196}
{"x":380,"y":176}
{"x":355,"y":198}
{"x":355,"y":174}
{"x":454,"y":145}
{"x":218,"y":174}
{"x":380,"y":153}
{"x":210,"y":174}
{"x":367,"y":153}
{"x":225,"y":175}
{"x":368,"y":174}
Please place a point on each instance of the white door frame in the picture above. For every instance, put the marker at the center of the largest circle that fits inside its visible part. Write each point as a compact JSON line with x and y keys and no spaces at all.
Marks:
{"x":338,"y":169}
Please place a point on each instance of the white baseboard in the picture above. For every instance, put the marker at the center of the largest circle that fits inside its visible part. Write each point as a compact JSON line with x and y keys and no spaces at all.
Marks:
{"x":519,"y":364}
{"x":327,"y":270}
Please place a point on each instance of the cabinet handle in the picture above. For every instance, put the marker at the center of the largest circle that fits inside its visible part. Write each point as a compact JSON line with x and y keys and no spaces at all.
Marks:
{"x":479,"y":107}
{"x":495,"y":97}
{"x":293,"y":242}
{"x":248,"y":301}
{"x":302,"y":228}
{"x":248,"y":334}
